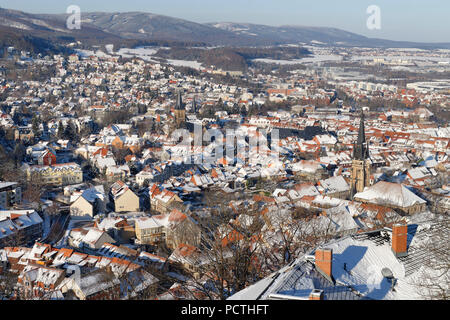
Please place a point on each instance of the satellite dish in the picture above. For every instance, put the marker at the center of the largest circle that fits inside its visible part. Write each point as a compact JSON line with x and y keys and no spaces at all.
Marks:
{"x":387,"y":273}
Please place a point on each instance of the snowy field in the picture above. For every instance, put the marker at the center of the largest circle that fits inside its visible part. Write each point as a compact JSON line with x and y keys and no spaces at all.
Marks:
{"x":145,"y":53}
{"x":138,"y":52}
{"x":87,"y":53}
{"x":315,"y":59}
{"x":149,"y":54}
{"x":185,"y":63}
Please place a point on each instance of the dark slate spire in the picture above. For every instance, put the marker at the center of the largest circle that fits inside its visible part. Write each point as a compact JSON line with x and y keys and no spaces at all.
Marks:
{"x":179,"y":105}
{"x":361,"y":148}
{"x":194,"y":106}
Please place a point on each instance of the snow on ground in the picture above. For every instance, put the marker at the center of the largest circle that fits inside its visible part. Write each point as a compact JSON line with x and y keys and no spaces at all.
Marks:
{"x":140,"y":51}
{"x":109,"y":48}
{"x":63,"y":241}
{"x":185,"y":63}
{"x":72,"y":224}
{"x":98,"y":53}
{"x":87,"y":53}
{"x":101,"y":54}
{"x":46,"y":226}
{"x":406,"y":49}
{"x":148,"y":53}
{"x":144,"y":53}
{"x":46,"y":25}
{"x":14,"y":24}
{"x":316,"y":58}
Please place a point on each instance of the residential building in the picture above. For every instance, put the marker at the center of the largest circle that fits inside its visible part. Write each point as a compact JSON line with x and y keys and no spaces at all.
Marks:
{"x":173,"y":229}
{"x":123,"y":198}
{"x":90,"y":203}
{"x":57,"y":174}
{"x":10,"y":194}
{"x":19,"y":227}
{"x":90,"y":238}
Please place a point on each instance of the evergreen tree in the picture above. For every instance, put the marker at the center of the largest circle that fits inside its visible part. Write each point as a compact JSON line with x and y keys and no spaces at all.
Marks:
{"x":60,"y":132}
{"x":19,"y":153}
{"x":70,"y":132}
{"x":35,"y":125}
{"x":16,"y":117}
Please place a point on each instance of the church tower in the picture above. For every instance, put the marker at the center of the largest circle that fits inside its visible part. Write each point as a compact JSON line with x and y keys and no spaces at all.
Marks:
{"x":360,"y":164}
{"x":180,"y":111}
{"x":194,"y":106}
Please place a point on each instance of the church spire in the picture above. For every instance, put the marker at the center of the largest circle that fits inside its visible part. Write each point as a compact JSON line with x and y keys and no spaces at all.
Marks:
{"x":361,"y":148}
{"x":179,"y":105}
{"x":361,"y":133}
{"x":194,"y":106}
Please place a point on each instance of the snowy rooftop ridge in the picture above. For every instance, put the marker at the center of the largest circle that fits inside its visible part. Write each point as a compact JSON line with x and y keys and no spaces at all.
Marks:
{"x":390,"y":193}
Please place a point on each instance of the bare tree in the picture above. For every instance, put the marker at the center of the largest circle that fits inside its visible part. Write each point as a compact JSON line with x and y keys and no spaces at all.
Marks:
{"x":286,"y":238}
{"x":8,"y":283}
{"x":33,"y":190}
{"x":433,"y":279}
{"x":135,"y":285}
{"x":53,"y":210}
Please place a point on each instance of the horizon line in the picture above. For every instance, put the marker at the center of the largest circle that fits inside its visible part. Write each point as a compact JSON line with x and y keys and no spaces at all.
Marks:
{"x":231,"y":22}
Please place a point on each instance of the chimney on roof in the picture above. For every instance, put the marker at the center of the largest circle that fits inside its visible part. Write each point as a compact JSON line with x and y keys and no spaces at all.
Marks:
{"x":399,"y":239}
{"x":324,"y":262}
{"x":316,"y":294}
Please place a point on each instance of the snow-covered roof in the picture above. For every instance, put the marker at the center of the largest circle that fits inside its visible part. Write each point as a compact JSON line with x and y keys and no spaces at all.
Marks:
{"x":334,"y":184}
{"x":7,"y":184}
{"x":13,"y":220}
{"x":357,"y":264}
{"x":388,"y":193}
{"x":97,"y":281}
{"x":149,"y":223}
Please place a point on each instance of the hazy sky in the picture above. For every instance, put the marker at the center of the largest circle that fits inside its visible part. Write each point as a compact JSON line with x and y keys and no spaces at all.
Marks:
{"x":409,"y":20}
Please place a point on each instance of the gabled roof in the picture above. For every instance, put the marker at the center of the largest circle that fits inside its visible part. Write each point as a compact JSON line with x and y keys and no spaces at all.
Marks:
{"x":97,"y":281}
{"x":334,"y":184}
{"x":388,"y":193}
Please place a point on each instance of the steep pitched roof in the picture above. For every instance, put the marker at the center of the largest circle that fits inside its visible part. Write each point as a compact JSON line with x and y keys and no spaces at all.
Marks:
{"x":389,"y":193}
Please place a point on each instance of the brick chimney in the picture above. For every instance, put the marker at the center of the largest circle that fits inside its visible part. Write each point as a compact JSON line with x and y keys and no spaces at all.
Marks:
{"x":316,"y":294}
{"x":399,"y":239}
{"x":324,"y":262}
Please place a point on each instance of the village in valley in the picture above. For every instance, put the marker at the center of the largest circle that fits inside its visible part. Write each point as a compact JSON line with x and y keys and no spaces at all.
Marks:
{"x":116,"y":183}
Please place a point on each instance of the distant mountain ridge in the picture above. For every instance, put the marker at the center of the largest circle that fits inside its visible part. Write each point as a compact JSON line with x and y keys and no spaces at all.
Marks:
{"x":100,"y":28}
{"x":32,"y":32}
{"x":290,"y":34}
{"x":331,"y":36}
{"x":48,"y":26}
